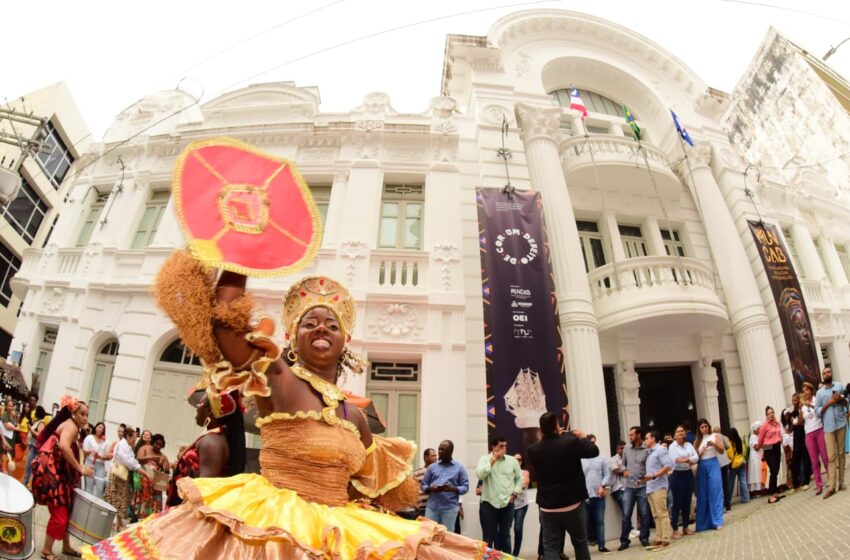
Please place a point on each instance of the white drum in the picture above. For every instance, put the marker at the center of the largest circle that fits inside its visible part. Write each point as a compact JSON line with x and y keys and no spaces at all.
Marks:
{"x":16,"y":509}
{"x":91,"y":518}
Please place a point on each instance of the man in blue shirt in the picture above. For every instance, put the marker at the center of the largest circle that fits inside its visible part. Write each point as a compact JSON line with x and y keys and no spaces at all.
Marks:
{"x":444,"y":482}
{"x":831,"y":405}
{"x":658,"y":464}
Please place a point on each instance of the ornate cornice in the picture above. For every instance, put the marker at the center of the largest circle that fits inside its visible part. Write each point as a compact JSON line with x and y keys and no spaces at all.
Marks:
{"x":698,"y":157}
{"x":538,"y":123}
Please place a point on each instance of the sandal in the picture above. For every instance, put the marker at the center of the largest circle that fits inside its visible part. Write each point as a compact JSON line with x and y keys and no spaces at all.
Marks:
{"x":49,"y":556}
{"x":72,"y":552}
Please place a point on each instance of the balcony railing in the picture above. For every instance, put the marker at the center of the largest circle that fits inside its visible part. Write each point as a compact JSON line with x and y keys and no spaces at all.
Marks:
{"x":398,"y":270}
{"x":649,"y":272}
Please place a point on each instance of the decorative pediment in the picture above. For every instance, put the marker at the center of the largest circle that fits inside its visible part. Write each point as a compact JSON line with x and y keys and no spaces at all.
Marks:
{"x":273,"y":98}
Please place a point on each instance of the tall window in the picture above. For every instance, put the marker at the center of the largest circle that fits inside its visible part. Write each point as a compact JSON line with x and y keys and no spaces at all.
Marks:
{"x":401,"y":217}
{"x":845,"y":260}
{"x":57,"y":161}
{"x":592,"y":245}
{"x":672,"y":244}
{"x":92,"y":219}
{"x":26,"y":212}
{"x":10,"y":264}
{"x":149,"y":223}
{"x":394,"y":388}
{"x":792,"y":253}
{"x":322,"y":198}
{"x":595,"y":102}
{"x":101,"y":379}
{"x":45,"y":354}
{"x":633,"y":242}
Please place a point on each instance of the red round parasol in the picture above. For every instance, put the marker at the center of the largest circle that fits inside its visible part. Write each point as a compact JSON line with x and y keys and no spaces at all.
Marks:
{"x":244,"y":210}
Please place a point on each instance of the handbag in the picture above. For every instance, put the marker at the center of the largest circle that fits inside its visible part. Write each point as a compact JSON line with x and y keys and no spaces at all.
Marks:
{"x":160,"y":481}
{"x":119,"y":471}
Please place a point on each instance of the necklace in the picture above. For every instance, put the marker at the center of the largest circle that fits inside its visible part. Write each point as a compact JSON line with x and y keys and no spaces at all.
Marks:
{"x":331,"y":394}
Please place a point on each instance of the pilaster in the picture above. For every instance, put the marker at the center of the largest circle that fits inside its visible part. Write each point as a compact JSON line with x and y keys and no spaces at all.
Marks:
{"x":807,"y":252}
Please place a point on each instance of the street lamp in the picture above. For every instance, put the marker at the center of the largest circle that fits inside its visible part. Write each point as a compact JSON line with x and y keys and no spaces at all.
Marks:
{"x":832,"y":50}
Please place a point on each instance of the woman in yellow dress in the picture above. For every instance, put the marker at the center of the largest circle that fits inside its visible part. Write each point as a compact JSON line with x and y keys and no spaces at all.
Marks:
{"x":326,"y":480}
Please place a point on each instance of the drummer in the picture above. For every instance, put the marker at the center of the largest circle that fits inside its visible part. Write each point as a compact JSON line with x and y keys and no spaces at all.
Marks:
{"x":57,"y":472}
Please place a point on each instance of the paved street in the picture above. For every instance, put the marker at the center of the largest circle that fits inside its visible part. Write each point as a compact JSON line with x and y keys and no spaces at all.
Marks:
{"x":800,"y":526}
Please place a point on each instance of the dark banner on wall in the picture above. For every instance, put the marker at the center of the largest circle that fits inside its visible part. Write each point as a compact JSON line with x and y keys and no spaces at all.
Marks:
{"x":802,"y":350}
{"x":522,"y":339}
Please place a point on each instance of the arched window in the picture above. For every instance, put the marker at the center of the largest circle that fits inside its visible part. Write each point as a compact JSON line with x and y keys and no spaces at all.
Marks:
{"x":595,"y":102}
{"x":167,"y":411}
{"x":101,"y":380}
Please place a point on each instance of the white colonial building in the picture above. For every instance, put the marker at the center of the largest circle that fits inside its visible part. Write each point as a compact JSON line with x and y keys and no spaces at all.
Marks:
{"x":642,"y":345}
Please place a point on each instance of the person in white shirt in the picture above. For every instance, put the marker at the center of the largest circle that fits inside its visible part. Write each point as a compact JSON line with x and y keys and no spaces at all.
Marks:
{"x":615,"y":464}
{"x":684,"y":457}
{"x":118,"y":490}
{"x":96,"y":450}
{"x":815,"y":441}
{"x":754,"y":461}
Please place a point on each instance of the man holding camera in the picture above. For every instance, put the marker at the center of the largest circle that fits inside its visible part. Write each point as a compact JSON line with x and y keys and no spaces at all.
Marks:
{"x":831,"y":405}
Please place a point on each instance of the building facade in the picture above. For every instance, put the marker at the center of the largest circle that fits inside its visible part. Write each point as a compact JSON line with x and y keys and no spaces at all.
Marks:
{"x":664,"y":307}
{"x":51,"y":116}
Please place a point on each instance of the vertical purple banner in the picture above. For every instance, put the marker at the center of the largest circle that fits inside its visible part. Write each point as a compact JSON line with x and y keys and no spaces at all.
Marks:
{"x":793,"y":315}
{"x":522,"y":338}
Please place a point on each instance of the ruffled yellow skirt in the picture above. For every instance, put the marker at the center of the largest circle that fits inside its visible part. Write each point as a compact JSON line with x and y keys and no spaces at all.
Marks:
{"x":245,"y":516}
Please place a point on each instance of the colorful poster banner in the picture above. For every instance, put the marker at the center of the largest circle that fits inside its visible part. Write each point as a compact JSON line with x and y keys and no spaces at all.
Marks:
{"x":522,"y":338}
{"x":793,"y":315}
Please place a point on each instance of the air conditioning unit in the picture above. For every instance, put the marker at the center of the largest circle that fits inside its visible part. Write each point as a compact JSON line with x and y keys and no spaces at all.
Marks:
{"x":10,"y":184}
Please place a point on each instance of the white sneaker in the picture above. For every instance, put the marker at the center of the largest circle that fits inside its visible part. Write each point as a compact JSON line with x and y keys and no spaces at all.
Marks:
{"x":634,"y":533}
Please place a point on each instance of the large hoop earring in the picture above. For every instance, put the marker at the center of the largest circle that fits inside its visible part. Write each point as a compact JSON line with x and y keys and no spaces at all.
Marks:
{"x":207,"y":422}
{"x":292,"y":355}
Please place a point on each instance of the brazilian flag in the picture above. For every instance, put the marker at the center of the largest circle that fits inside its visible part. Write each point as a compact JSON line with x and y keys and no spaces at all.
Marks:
{"x":631,"y":120}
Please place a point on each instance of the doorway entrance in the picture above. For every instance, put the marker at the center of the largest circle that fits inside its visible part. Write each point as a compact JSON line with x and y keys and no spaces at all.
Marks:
{"x":666,"y":398}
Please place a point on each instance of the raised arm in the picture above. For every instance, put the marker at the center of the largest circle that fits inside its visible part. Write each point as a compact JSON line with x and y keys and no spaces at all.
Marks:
{"x":234,"y":347}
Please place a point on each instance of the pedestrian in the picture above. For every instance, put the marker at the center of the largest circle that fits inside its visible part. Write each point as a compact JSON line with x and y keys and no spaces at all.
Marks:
{"x":754,"y":461}
{"x":429,"y":457}
{"x":709,"y":481}
{"x":684,"y":457}
{"x":38,"y":424}
{"x":724,"y":461}
{"x":658,"y":465}
{"x":788,"y":449}
{"x":801,"y":465}
{"x":118,"y":489}
{"x":831,"y":406}
{"x":444,"y":482}
{"x":615,"y":464}
{"x":502,"y":483}
{"x":690,"y":436}
{"x":96,"y":449}
{"x":815,"y":442}
{"x":597,"y":477}
{"x":770,"y":441}
{"x":148,"y":498}
{"x":520,"y":507}
{"x":561,"y":492}
{"x":634,"y":469}
{"x":737,"y":453}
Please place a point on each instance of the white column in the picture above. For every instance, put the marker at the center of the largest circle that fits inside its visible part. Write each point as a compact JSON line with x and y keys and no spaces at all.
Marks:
{"x":807,"y":252}
{"x":750,"y":324}
{"x":362,"y":203}
{"x":336,"y":210}
{"x":628,"y":396}
{"x":833,"y":262}
{"x":583,"y":359}
{"x":652,"y":233}
{"x":705,"y":390}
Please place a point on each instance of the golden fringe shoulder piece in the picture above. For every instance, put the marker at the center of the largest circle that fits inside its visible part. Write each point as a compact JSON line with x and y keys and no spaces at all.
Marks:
{"x":252,"y":380}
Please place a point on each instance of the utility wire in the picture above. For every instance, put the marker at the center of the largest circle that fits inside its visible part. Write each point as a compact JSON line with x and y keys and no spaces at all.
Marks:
{"x":255,"y":35}
{"x":785,"y":9}
{"x":303,"y":57}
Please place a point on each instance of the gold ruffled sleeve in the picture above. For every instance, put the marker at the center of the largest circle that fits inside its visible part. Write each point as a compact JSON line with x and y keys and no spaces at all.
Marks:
{"x":386,"y":475}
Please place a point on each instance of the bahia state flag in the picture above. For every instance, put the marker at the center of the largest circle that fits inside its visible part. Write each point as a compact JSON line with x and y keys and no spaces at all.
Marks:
{"x":683,"y":132}
{"x":577,"y":103}
{"x":631,"y":120}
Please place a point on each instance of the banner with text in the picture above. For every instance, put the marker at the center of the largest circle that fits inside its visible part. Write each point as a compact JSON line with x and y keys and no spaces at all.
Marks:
{"x":793,"y":315}
{"x":522,"y":338}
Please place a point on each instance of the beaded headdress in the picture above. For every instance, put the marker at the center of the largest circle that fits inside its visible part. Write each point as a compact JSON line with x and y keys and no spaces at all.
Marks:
{"x":317,"y":291}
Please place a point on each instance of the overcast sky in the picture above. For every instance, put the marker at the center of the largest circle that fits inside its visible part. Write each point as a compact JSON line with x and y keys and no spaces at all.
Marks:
{"x":114,"y":53}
